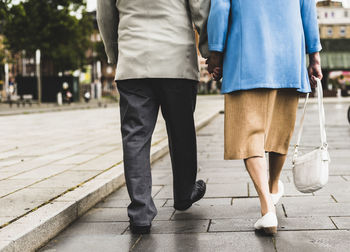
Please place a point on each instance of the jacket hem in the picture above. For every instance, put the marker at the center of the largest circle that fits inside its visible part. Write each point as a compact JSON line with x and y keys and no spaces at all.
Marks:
{"x":269,"y":86}
{"x":132,"y":77}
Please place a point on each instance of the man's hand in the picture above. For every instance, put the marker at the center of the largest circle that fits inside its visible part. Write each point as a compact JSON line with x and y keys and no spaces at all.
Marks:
{"x":314,"y":69}
{"x":215,"y":62}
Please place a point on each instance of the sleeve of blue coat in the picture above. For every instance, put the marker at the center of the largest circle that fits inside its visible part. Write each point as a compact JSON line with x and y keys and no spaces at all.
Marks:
{"x":218,"y":24}
{"x":310,"y":24}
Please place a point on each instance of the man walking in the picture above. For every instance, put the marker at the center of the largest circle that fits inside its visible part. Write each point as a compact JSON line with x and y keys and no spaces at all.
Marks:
{"x":153,"y":44}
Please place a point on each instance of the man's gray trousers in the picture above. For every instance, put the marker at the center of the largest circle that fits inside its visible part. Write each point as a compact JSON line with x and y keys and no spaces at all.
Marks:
{"x":140,"y":100}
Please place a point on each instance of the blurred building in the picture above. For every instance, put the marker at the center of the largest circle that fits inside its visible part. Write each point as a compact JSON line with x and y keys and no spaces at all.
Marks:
{"x":12,"y":67}
{"x":334,"y":20}
{"x":2,"y":73}
{"x":100,"y":69}
{"x":334,"y":25}
{"x":329,"y":3}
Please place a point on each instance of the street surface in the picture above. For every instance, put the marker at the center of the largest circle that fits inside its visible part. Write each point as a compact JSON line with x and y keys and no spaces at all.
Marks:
{"x":223,"y":221}
{"x":45,"y":155}
{"x":6,"y":110}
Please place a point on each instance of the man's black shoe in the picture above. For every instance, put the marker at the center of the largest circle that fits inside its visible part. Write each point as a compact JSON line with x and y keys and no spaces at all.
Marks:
{"x":197,"y":193}
{"x":140,"y":229}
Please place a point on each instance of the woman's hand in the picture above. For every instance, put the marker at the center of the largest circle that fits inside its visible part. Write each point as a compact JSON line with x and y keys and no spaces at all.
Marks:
{"x":314,"y":69}
{"x":215,"y":62}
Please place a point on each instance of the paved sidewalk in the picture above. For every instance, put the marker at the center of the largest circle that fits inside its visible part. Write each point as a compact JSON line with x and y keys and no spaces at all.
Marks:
{"x":6,"y":110}
{"x":223,"y":221}
{"x":47,"y":162}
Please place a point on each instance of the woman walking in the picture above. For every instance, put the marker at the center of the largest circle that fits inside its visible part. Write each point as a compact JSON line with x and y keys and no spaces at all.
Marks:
{"x":260,"y":47}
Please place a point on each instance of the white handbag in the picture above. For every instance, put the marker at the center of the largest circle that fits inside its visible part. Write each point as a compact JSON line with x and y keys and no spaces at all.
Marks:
{"x":310,"y":171}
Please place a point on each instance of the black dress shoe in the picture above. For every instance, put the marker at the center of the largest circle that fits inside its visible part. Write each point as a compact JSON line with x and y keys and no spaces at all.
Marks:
{"x":197,"y":193}
{"x":140,"y":229}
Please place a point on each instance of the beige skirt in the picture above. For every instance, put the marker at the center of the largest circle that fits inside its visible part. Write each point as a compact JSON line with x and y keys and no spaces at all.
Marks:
{"x":259,"y":121}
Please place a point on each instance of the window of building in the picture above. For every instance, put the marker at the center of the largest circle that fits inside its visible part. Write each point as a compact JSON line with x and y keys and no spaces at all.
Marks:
{"x":326,"y":14}
{"x":342,"y":31}
{"x":346,"y":13}
{"x":333,"y":14}
{"x":330,"y":31}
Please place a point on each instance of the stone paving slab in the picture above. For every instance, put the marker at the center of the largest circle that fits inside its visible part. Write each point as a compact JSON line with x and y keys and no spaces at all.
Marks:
{"x":33,"y":230}
{"x":341,"y":198}
{"x":122,"y":193}
{"x":6,"y":110}
{"x":309,"y":199}
{"x":342,"y":222}
{"x":179,"y":227}
{"x":224,"y":221}
{"x":340,"y":188}
{"x":214,"y":190}
{"x":232,"y":225}
{"x":105,"y":215}
{"x":67,"y":179}
{"x":317,"y":209}
{"x":92,"y":243}
{"x":227,"y":190}
{"x":306,"y":223}
{"x":221,"y":212}
{"x":289,"y":189}
{"x":246,"y":224}
{"x":205,"y":242}
{"x":122,"y":203}
{"x":95,"y":228}
{"x":313,"y":241}
{"x":206,"y":202}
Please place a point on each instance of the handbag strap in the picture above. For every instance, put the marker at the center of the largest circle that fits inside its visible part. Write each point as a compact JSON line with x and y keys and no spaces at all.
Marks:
{"x":321,"y":115}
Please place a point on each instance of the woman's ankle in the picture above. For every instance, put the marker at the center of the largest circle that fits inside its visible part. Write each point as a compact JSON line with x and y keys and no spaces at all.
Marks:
{"x":267,"y":206}
{"x":267,"y":210}
{"x":273,"y":186}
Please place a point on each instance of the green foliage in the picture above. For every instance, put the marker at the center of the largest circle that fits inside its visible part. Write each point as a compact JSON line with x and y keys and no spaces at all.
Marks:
{"x":51,"y":26}
{"x":2,"y":55}
{"x":4,"y":6}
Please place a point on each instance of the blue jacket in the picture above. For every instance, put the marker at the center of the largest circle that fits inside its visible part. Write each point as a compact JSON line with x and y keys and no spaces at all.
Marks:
{"x":264,"y":42}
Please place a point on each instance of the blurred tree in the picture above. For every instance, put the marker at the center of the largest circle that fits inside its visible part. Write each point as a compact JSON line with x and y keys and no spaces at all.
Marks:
{"x":61,"y":29}
{"x":4,"y":8}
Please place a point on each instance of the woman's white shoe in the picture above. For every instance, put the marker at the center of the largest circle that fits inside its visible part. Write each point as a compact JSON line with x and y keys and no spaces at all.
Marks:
{"x":277,"y":196}
{"x":268,"y":223}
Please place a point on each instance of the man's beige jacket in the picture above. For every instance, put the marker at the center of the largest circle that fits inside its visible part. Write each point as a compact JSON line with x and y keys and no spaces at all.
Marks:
{"x":153,"y":38}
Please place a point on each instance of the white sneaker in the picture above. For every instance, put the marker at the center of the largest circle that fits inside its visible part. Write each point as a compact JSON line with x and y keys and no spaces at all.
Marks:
{"x":268,"y":223}
{"x":277,"y":196}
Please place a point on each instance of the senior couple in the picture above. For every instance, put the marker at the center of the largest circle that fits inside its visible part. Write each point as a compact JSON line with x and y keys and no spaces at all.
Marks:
{"x":259,"y":47}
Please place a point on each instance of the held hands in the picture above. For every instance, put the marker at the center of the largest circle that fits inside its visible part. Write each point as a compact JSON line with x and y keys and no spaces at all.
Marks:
{"x":314,"y":69}
{"x":215,"y":62}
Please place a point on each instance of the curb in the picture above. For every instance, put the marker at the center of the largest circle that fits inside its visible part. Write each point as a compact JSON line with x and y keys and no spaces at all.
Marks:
{"x":38,"y":227}
{"x":55,"y":109}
